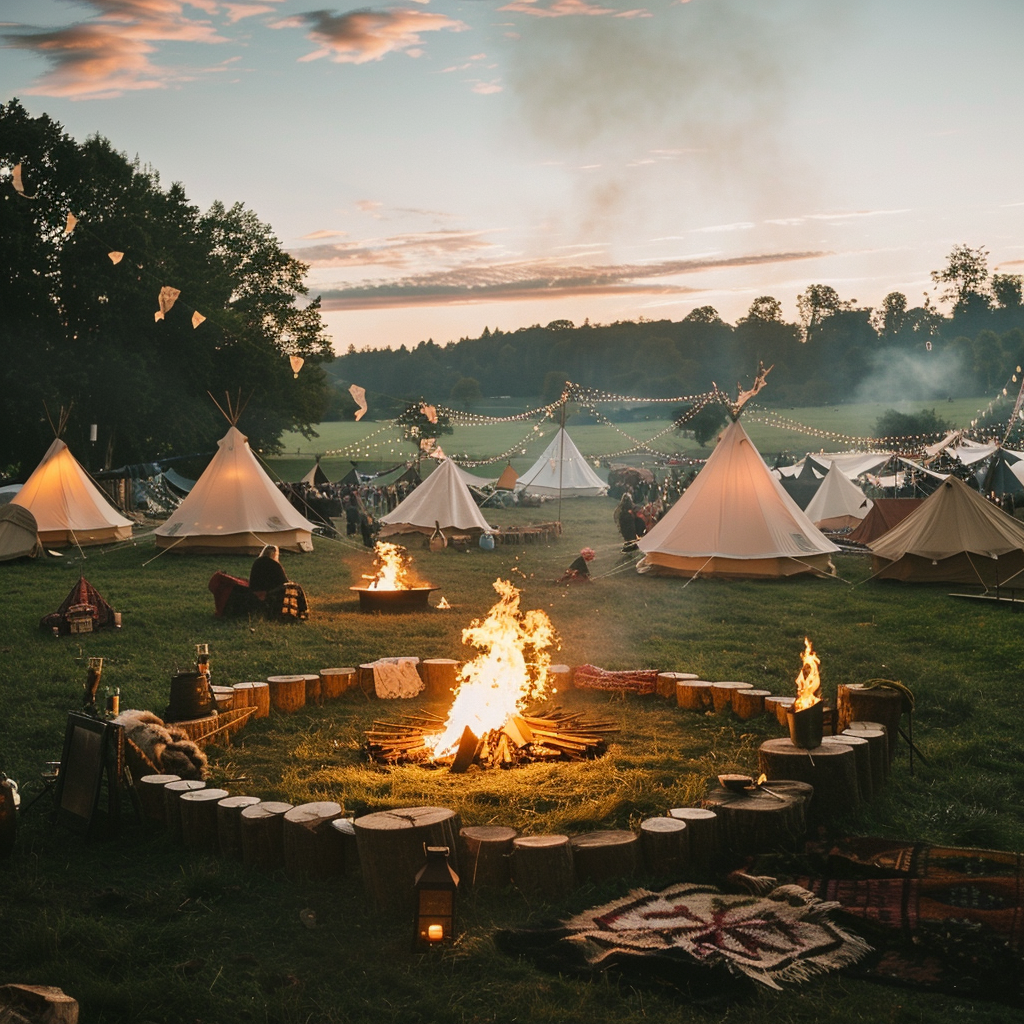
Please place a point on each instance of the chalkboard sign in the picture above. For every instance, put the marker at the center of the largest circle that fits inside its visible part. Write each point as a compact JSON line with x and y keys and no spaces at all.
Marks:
{"x":90,"y":764}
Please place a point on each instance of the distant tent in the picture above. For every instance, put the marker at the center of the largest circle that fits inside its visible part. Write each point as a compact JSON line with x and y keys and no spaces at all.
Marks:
{"x":68,"y":507}
{"x":442,"y":499}
{"x":561,"y":471}
{"x":839,"y":503}
{"x":234,"y":507}
{"x":19,"y":536}
{"x":1004,"y":474}
{"x":7,"y":492}
{"x":471,"y":479}
{"x":884,"y":515}
{"x":352,"y":477}
{"x":179,"y":483}
{"x":507,"y":480}
{"x":803,"y":486}
{"x":954,"y":536}
{"x":316,"y":476}
{"x":735,"y":520}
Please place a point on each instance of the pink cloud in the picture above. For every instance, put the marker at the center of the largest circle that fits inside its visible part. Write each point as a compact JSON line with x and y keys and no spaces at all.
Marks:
{"x":236,"y":12}
{"x":398,"y":251}
{"x":357,"y":37}
{"x":568,"y":8}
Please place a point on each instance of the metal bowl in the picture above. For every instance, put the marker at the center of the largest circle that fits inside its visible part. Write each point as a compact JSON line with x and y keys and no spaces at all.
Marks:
{"x":737,"y":783}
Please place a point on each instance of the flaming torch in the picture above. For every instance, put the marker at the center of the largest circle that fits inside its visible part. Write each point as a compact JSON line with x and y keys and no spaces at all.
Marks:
{"x":807,"y":716}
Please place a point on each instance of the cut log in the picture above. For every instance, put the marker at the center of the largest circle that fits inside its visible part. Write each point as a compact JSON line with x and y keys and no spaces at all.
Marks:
{"x":858,"y":702}
{"x":831,"y":769}
{"x":756,"y":821}
{"x":391,"y":846}
{"x":346,"y":829}
{"x":311,"y":846}
{"x":484,"y":853}
{"x":365,"y":679}
{"x":703,"y":847}
{"x":36,"y":1004}
{"x":598,"y":856}
{"x":335,"y":681}
{"x":262,"y":829}
{"x":862,"y":755}
{"x":747,"y":704}
{"x":439,"y":677}
{"x":287,"y":693}
{"x":172,"y":798}
{"x":664,"y":844}
{"x":878,"y":754}
{"x":253,"y":695}
{"x":229,"y":824}
{"x":199,"y":819}
{"x":666,"y":684}
{"x":314,"y":692}
{"x":721,"y":695}
{"x":560,"y":678}
{"x":224,"y":696}
{"x":542,"y":866}
{"x":150,"y":789}
{"x":693,"y":694}
{"x":779,"y":706}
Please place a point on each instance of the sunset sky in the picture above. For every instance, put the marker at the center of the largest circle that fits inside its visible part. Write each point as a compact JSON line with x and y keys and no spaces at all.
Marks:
{"x":446,"y":165}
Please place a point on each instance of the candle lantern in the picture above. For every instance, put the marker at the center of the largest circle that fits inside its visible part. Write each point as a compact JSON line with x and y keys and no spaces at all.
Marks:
{"x":203,"y":659}
{"x":435,"y":887}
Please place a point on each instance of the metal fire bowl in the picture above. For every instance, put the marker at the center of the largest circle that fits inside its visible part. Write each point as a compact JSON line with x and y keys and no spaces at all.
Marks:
{"x":393,"y":602}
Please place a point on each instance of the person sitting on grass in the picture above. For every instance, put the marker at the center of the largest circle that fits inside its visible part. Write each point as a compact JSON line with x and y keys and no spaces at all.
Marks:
{"x":270,"y":589}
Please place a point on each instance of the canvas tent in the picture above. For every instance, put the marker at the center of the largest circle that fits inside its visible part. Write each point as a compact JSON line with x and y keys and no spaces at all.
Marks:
{"x":802,"y":486}
{"x":444,"y":499}
{"x":954,"y":536}
{"x":885,"y":513}
{"x":507,"y":480}
{"x":839,"y":503}
{"x":561,"y":471}
{"x":735,"y":520}
{"x":471,"y":479}
{"x":234,"y":507}
{"x":68,"y":507}
{"x":316,"y":476}
{"x":19,"y":537}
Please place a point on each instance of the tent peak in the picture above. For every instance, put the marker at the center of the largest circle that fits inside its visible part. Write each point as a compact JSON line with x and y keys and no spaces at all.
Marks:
{"x":234,"y":409}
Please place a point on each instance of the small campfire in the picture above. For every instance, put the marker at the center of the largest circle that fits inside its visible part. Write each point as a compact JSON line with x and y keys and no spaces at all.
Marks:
{"x":499,"y":716}
{"x":806,"y":717}
{"x":393,"y":586}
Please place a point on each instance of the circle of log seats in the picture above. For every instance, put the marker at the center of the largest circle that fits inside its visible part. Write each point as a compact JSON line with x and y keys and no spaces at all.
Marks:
{"x":314,"y":693}
{"x":560,"y":677}
{"x":390,"y":845}
{"x":224,"y":696}
{"x":703,"y":847}
{"x":693,"y":694}
{"x":830,"y":768}
{"x":612,"y":853}
{"x":229,"y":824}
{"x":172,"y":798}
{"x":287,"y":693}
{"x":199,"y":819}
{"x":721,"y":694}
{"x":253,"y":695}
{"x":754,"y":821}
{"x":261,"y":827}
{"x":440,"y":677}
{"x":860,"y":702}
{"x":484,"y":852}
{"x":747,"y":704}
{"x":151,"y":795}
{"x":311,"y":847}
{"x":346,"y":830}
{"x":542,"y":866}
{"x":335,"y":681}
{"x":664,"y":843}
{"x":878,"y":754}
{"x":862,"y":755}
{"x":365,"y":680}
{"x":666,"y":684}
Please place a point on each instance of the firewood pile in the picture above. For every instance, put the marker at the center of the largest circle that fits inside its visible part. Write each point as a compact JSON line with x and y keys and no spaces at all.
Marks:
{"x":544,"y":733}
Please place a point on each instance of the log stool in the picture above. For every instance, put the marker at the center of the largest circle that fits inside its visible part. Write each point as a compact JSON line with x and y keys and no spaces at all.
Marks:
{"x":314,"y":692}
{"x":224,"y":696}
{"x":693,"y":694}
{"x":542,"y":866}
{"x":560,"y":677}
{"x":311,"y":847}
{"x":703,"y":847}
{"x":830,"y":768}
{"x":756,"y":820}
{"x":664,"y":844}
{"x":598,"y":856}
{"x":346,"y":829}
{"x":878,"y":754}
{"x":666,"y":684}
{"x":390,"y":845}
{"x":261,"y":827}
{"x":172,"y":795}
{"x":747,"y":704}
{"x":779,"y":706}
{"x":199,"y":818}
{"x":229,"y":824}
{"x":721,"y":695}
{"x":440,"y":677}
{"x":365,"y":679}
{"x":151,"y":795}
{"x":862,"y":755}
{"x":253,"y":695}
{"x":857,"y":702}
{"x":335,"y":681}
{"x":287,"y":693}
{"x":484,"y":852}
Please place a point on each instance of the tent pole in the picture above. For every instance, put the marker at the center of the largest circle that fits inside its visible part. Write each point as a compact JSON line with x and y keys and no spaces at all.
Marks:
{"x":561,"y":460}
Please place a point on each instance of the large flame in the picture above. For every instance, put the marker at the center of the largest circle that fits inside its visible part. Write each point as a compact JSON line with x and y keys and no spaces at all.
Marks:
{"x":509,"y":673}
{"x":808,"y":681}
{"x":393,"y":570}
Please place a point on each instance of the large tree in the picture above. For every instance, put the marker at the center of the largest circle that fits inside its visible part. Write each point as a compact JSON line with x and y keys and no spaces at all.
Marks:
{"x":964,"y":277}
{"x":79,"y":308}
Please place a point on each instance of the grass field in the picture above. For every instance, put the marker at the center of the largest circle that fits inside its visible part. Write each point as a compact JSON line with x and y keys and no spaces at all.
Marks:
{"x":139,"y":930}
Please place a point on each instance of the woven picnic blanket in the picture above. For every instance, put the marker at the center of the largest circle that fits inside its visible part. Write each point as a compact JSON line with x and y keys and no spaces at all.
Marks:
{"x":590,"y":677}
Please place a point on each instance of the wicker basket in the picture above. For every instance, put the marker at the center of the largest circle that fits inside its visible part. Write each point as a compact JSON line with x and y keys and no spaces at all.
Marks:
{"x":219,"y":727}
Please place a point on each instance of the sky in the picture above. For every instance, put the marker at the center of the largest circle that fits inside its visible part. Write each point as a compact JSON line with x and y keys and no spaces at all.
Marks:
{"x":448,"y":165}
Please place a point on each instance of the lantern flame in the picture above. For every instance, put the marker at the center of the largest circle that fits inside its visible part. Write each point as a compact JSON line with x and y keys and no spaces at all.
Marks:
{"x":393,"y":570}
{"x":808,"y":681}
{"x":443,"y":603}
{"x":510,"y":671}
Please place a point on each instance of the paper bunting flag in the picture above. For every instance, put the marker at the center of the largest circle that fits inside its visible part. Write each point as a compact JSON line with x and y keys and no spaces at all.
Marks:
{"x":437,"y":452}
{"x":296,"y":362}
{"x":168,"y":296}
{"x":115,"y":257}
{"x":197,"y":319}
{"x":359,"y":397}
{"x":430,"y":412}
{"x":70,"y":226}
{"x":19,"y":186}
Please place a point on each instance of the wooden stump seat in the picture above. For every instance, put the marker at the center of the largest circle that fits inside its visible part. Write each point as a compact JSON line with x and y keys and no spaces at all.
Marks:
{"x":484,"y":853}
{"x":287,"y":693}
{"x":542,"y":866}
{"x":830,"y":768}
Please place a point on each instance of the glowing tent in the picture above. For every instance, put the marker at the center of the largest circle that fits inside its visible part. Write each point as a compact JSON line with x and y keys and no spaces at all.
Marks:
{"x":68,"y":507}
{"x":561,"y":471}
{"x":442,"y":499}
{"x":839,"y":503}
{"x":735,"y":520}
{"x":234,"y":507}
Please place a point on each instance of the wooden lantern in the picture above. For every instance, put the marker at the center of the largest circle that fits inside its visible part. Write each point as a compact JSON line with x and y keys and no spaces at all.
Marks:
{"x":435,"y":887}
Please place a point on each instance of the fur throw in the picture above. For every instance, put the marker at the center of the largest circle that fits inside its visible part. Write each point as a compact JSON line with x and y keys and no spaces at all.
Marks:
{"x":167,"y":746}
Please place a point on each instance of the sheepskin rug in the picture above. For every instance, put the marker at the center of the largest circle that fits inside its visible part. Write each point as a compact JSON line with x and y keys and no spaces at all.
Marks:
{"x":167,"y":746}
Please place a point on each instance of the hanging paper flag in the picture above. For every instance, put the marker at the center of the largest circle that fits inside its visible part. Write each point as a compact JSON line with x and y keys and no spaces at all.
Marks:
{"x":430,"y":412}
{"x":70,"y":226}
{"x":296,"y":362}
{"x":359,"y":397}
{"x":19,"y":186}
{"x":197,"y":319}
{"x":115,"y":257}
{"x":438,"y":453}
{"x":168,"y":296}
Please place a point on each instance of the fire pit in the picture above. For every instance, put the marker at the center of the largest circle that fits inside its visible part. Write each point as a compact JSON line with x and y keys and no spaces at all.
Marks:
{"x":407,"y":600}
{"x":392,"y":588}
